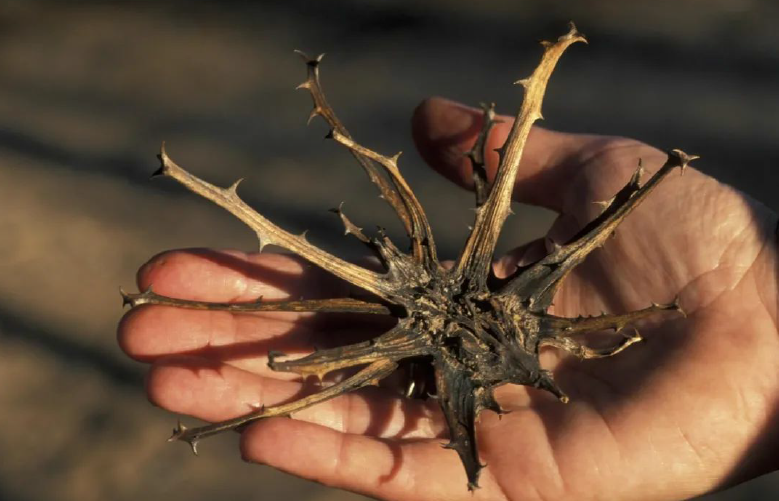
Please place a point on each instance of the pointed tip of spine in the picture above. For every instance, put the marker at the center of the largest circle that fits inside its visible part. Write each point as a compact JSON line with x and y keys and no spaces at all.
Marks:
{"x":682,"y":158}
{"x":126,"y":298}
{"x":677,"y":305}
{"x":314,"y":62}
{"x":164,"y":159}
{"x":488,"y":108}
{"x":179,"y":433}
{"x":234,"y":187}
{"x":635,"y":179}
{"x":574,"y":33}
{"x":310,"y":61}
{"x":473,"y":477}
{"x":604,"y":204}
{"x":314,"y":113}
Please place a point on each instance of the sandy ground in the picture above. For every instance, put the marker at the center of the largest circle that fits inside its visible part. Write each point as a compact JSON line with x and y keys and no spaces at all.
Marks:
{"x":88,"y":90}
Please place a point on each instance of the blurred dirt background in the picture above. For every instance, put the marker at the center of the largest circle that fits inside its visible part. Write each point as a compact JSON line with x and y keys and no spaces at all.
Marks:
{"x":88,"y":90}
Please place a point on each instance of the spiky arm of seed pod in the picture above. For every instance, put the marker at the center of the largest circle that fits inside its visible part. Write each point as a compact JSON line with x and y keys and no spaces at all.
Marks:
{"x":557,"y":331}
{"x":323,"y":109}
{"x":421,"y":234}
{"x":485,"y":401}
{"x":396,"y":191}
{"x":367,"y":376}
{"x":269,"y":233}
{"x":396,"y":345}
{"x":456,"y":395}
{"x":478,"y":155}
{"x":349,"y":227}
{"x":475,"y":262}
{"x":552,"y":326}
{"x":338,"y":305}
{"x":538,"y":284}
{"x":582,"y":351}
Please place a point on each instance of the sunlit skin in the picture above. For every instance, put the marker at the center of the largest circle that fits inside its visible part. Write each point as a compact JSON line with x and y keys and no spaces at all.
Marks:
{"x":691,"y":409}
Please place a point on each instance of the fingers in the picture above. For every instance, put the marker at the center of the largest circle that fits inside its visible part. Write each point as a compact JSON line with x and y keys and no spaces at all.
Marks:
{"x":149,"y":332}
{"x":243,"y":340}
{"x":212,"y":391}
{"x":387,"y":469}
{"x":444,"y":131}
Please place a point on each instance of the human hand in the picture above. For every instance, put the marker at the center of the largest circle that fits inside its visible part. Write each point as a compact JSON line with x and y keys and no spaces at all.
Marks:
{"x":681,"y":414}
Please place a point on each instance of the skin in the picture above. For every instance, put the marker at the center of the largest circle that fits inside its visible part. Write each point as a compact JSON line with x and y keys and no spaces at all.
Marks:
{"x":692,"y":409}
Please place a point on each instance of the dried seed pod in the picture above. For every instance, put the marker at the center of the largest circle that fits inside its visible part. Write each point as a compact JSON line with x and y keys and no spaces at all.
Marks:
{"x":474,"y":338}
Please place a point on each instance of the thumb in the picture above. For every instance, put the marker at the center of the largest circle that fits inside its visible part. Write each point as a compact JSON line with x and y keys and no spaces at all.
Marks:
{"x":444,"y":131}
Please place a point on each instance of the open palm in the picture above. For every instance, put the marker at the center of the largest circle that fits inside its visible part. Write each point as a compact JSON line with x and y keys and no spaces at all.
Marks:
{"x":685,"y":412}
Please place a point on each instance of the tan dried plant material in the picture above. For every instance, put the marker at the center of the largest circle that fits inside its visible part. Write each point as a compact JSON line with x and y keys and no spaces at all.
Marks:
{"x":470,"y":330}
